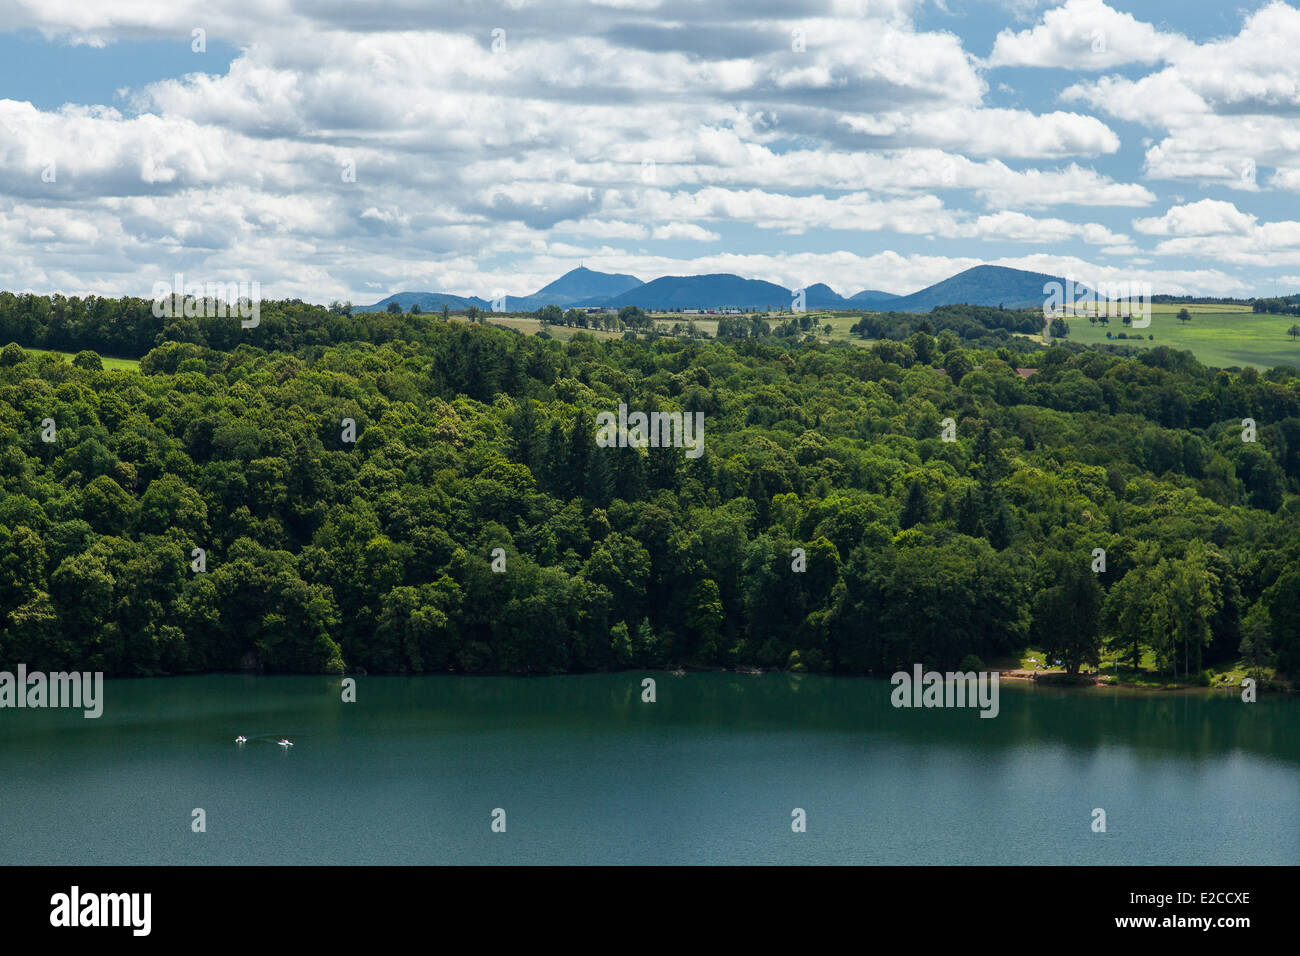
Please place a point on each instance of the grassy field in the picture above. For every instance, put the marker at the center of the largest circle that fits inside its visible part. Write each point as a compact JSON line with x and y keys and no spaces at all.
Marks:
{"x":530,"y":326}
{"x":1218,"y":335}
{"x":840,"y":322}
{"x":110,"y":363}
{"x":1221,"y":675}
{"x":1223,"y":336}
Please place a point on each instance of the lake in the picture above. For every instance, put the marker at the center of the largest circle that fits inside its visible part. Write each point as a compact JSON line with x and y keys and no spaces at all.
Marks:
{"x":587,"y":773}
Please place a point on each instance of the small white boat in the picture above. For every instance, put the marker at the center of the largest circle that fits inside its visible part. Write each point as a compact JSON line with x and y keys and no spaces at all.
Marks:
{"x":241,"y":739}
{"x":285,"y":743}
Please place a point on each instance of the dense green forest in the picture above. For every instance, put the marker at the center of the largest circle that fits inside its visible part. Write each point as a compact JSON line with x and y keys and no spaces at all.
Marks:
{"x":323,"y":554}
{"x":982,"y":325}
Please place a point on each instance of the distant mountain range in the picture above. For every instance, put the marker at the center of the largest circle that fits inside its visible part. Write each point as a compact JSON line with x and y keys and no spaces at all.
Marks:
{"x":583,"y":285}
{"x":982,"y":285}
{"x":586,"y":288}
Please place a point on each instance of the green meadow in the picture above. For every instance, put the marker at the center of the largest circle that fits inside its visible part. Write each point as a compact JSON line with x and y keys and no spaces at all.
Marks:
{"x":841,"y":322}
{"x":110,"y":363}
{"x":1219,"y":335}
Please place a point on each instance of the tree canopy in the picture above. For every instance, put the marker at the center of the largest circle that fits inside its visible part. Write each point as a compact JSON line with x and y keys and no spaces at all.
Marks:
{"x":323,"y":554}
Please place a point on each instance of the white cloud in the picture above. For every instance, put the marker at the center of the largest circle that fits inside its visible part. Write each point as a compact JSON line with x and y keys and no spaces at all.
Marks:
{"x":994,"y":132}
{"x":1208,"y":217}
{"x":684,"y":230}
{"x":1228,"y":106}
{"x":1217,"y":230}
{"x":1085,"y":35}
{"x":1156,"y":99}
{"x":1018,"y":227}
{"x":615,"y":123}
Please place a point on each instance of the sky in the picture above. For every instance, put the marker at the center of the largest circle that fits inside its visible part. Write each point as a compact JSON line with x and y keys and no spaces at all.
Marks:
{"x":333,"y":150}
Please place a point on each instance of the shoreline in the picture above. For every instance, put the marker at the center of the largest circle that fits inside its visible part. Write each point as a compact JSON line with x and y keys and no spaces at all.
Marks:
{"x":1055,"y":679}
{"x":1086,"y":682}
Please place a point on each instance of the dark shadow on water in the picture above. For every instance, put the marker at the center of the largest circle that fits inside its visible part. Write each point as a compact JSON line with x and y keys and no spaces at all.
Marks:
{"x":213,"y":709}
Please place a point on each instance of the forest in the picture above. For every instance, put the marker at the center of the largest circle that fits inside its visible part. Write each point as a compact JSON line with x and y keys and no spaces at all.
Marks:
{"x":403,"y":493}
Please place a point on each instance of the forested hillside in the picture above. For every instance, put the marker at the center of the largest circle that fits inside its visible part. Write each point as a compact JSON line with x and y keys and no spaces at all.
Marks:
{"x":329,"y":555}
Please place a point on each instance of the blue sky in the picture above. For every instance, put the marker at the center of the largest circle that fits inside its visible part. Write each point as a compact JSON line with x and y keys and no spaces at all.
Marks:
{"x":339,"y":151}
